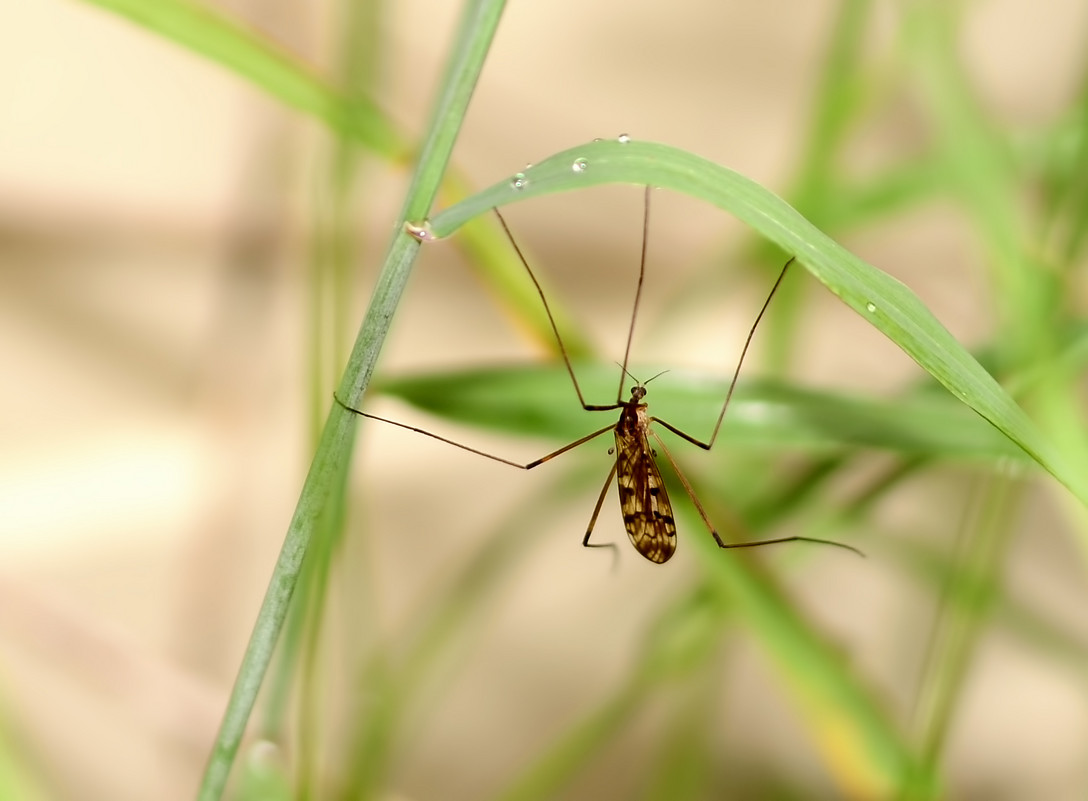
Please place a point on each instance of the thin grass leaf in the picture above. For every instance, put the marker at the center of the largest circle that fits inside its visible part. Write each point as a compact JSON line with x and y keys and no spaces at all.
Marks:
{"x":1063,"y":152}
{"x":538,"y":401}
{"x":217,"y":37}
{"x":579,"y":744}
{"x":16,"y":777}
{"x":684,"y":636}
{"x":865,"y":751}
{"x":965,"y":609}
{"x":396,"y":680}
{"x":884,"y":302}
{"x":1017,"y":617}
{"x":687,"y":762}
{"x":328,"y":471}
{"x":354,"y":117}
{"x":977,"y":163}
{"x":837,"y":95}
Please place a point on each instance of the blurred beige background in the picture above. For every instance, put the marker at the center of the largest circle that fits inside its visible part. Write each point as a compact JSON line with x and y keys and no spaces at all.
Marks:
{"x":153,"y":257}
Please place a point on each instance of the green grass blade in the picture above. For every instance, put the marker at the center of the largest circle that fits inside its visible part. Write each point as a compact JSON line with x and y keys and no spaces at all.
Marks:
{"x":966,"y":608}
{"x":837,"y":96}
{"x":17,"y":779}
{"x":683,"y":637}
{"x":218,"y":38}
{"x":884,"y":302}
{"x":403,"y":669}
{"x":538,"y":401}
{"x":556,"y":766}
{"x":352,"y":116}
{"x":1022,"y":620}
{"x":328,"y":470}
{"x":861,"y":746}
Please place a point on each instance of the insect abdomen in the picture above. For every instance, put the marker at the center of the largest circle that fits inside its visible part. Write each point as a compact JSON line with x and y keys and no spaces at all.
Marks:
{"x":647,"y":512}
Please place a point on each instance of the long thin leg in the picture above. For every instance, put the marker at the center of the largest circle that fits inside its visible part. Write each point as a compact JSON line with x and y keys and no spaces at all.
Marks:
{"x":744,"y":351}
{"x":736,"y":374}
{"x":597,"y":511}
{"x":710,"y":526}
{"x":491,"y":456}
{"x":551,"y":320}
{"x":638,"y":291}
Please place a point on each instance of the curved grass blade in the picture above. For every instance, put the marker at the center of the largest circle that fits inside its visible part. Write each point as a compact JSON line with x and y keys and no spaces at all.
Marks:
{"x":884,"y":302}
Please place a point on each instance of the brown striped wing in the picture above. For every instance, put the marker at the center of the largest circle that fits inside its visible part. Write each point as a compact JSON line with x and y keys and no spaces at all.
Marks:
{"x":647,"y":513}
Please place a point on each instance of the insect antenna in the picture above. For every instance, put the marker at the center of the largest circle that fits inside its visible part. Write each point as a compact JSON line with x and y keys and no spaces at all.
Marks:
{"x":633,"y":378}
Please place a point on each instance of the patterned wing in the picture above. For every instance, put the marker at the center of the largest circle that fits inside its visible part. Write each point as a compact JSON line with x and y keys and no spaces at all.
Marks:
{"x":647,"y":513}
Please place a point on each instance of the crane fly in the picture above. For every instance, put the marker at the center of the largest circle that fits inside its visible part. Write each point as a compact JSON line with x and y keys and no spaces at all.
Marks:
{"x":644,"y":501}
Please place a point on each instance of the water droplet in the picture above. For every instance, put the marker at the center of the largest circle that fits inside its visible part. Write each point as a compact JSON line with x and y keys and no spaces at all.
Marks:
{"x":623,"y":139}
{"x":263,"y":756}
{"x":871,"y":307}
{"x":579,"y":165}
{"x":519,"y":181}
{"x":421,"y":231}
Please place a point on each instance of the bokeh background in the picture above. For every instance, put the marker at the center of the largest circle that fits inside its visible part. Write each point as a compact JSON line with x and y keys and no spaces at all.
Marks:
{"x":160,"y":218}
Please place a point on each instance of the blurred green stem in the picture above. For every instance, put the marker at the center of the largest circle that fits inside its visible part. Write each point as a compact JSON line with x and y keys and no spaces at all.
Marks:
{"x":970,"y":593}
{"x":328,"y":470}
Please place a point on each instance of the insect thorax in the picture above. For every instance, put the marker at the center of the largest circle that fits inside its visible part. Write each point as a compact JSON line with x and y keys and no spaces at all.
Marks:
{"x":633,"y":422}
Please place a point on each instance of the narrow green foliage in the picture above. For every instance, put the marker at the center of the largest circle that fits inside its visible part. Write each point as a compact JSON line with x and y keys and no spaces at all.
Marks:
{"x":883,"y":301}
{"x":537,"y":401}
{"x":220,"y":39}
{"x":800,"y":446}
{"x":329,"y":468}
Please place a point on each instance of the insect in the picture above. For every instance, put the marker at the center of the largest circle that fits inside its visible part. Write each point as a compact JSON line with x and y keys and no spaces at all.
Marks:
{"x":644,"y":502}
